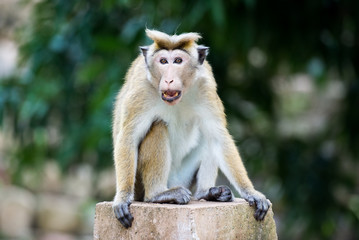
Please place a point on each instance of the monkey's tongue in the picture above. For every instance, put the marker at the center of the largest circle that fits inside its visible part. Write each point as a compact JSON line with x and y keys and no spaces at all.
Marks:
{"x":170,"y":95}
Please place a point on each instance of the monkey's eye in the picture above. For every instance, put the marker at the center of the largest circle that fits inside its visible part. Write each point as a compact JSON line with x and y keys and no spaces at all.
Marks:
{"x":163,"y":61}
{"x":178,"y":60}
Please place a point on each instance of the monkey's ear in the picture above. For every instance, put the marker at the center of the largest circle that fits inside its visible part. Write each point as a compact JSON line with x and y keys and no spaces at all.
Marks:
{"x":144,"y":50}
{"x":202,"y":53}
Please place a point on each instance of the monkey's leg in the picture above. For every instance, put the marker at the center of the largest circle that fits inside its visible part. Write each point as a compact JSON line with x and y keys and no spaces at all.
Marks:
{"x":233,"y":168}
{"x":154,"y":160}
{"x":154,"y":164}
{"x":206,"y":178}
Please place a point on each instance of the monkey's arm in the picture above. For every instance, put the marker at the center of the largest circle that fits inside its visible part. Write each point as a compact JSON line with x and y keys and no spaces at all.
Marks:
{"x":229,"y":161}
{"x":221,"y":151}
{"x":125,"y":157}
{"x":235,"y":171}
{"x":129,"y":128}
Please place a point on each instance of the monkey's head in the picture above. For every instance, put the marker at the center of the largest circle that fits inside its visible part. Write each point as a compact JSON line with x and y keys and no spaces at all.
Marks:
{"x":172,"y":63}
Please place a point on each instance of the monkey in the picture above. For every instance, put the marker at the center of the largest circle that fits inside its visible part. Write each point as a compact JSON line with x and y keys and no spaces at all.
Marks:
{"x":170,"y":131}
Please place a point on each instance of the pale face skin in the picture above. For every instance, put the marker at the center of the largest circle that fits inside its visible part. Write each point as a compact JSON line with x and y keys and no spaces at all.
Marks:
{"x":172,"y":72}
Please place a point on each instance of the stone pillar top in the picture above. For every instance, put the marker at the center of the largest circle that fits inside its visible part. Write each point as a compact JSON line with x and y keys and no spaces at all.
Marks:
{"x":196,"y":220}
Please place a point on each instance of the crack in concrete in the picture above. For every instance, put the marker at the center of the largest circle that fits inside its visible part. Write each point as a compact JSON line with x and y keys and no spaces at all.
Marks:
{"x":193,"y":226}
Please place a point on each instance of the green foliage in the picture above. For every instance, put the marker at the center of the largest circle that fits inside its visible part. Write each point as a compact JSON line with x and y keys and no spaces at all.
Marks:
{"x":75,"y":55}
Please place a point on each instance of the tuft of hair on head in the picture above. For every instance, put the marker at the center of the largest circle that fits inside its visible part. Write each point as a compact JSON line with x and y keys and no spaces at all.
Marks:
{"x":165,"y":41}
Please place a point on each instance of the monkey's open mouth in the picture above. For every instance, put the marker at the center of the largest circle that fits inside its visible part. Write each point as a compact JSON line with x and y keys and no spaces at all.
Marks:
{"x":170,"y":95}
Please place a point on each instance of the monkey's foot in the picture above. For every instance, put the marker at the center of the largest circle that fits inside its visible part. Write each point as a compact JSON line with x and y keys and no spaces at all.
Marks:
{"x":261,"y":203}
{"x":218,"y":194}
{"x":122,"y":213}
{"x":178,"y":195}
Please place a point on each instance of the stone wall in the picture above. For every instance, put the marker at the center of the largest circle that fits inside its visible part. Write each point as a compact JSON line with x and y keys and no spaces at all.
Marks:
{"x":51,"y":205}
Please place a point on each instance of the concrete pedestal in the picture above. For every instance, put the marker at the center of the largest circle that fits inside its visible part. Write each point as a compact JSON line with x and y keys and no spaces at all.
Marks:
{"x":196,"y":220}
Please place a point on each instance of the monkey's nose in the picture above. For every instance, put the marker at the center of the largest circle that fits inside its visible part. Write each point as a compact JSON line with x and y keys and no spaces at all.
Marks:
{"x":168,"y":82}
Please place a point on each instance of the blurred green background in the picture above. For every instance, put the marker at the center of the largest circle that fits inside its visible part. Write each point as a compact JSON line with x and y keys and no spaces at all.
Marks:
{"x":287,"y":72}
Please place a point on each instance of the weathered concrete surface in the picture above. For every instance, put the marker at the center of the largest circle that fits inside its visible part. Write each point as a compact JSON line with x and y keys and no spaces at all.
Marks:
{"x":197,"y":220}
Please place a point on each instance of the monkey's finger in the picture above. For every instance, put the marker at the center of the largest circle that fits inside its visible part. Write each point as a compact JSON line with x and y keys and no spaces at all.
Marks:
{"x":125,"y":222}
{"x":118,"y":212}
{"x":184,"y":200}
{"x":187,"y":191}
{"x":127,"y":215}
{"x":224,"y":189}
{"x":226,"y":194}
{"x":262,"y":214}
{"x":266,"y":206}
{"x":187,"y":198}
{"x":250,"y":201}
{"x":258,"y":213}
{"x":225,"y":198}
{"x":227,"y":191}
{"x":214,"y":192}
{"x":125,"y":210}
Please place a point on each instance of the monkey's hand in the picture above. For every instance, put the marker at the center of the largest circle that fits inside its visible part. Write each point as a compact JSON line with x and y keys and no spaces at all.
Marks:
{"x":260,"y":202}
{"x":122,"y":213}
{"x":178,"y":195}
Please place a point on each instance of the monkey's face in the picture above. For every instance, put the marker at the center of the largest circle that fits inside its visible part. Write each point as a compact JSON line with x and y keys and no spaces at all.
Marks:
{"x":172,"y":73}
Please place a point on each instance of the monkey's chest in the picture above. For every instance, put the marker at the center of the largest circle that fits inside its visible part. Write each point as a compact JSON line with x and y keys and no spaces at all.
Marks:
{"x":184,"y":138}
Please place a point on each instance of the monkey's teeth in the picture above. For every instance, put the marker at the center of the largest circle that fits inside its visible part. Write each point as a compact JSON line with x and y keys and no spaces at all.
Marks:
{"x":170,"y":95}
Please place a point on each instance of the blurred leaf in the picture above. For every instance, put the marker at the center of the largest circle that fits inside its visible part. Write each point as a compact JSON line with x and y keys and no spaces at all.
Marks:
{"x":89,"y":71}
{"x":218,"y":12}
